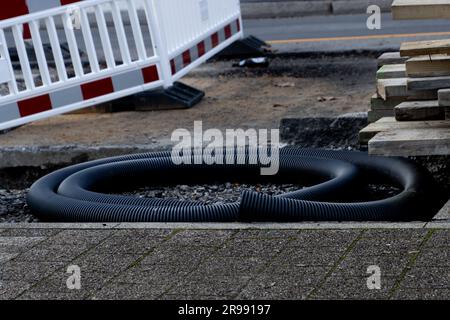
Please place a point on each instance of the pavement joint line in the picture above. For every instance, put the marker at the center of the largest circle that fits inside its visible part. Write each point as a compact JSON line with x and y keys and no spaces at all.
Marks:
{"x":233,"y":235}
{"x":136,"y":262}
{"x":336,"y":264}
{"x":268,"y":264}
{"x":68,"y":263}
{"x":232,"y":226}
{"x":28,"y":250}
{"x":411,"y":263}
{"x":35,"y":245}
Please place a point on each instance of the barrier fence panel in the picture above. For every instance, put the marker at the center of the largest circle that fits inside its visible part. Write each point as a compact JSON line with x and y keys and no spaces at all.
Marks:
{"x":115,"y":48}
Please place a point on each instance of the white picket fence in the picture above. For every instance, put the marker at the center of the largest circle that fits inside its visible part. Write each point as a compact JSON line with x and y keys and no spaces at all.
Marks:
{"x":129,"y":45}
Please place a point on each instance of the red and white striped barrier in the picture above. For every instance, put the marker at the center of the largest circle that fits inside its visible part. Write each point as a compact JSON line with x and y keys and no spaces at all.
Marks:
{"x":17,"y":8}
{"x":132,"y":63}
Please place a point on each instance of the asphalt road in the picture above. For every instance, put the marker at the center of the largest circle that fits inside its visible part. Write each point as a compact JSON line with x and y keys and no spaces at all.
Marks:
{"x":343,"y":32}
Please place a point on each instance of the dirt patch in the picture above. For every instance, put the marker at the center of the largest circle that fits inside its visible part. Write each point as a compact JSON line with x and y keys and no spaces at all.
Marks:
{"x":235,"y":98}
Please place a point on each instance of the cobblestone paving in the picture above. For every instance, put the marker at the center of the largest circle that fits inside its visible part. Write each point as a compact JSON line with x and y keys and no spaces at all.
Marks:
{"x":224,"y":264}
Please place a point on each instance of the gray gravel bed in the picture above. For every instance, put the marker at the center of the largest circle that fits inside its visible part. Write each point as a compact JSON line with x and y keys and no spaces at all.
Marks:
{"x":212,"y":194}
{"x":13,"y":207}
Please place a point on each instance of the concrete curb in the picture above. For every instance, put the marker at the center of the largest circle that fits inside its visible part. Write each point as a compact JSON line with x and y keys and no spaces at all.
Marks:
{"x":284,"y":9}
{"x":67,"y":155}
{"x":269,"y":9}
{"x":232,"y":226}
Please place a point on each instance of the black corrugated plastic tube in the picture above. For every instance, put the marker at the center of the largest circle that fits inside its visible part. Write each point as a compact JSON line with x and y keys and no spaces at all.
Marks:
{"x":89,"y":192}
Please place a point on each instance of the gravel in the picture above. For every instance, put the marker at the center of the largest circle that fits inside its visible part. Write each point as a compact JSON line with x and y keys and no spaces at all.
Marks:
{"x":13,"y":207}
{"x":212,"y":194}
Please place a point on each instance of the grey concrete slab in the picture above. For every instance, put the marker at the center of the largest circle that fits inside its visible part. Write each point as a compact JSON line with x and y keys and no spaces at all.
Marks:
{"x":440,"y":238}
{"x":19,"y":241}
{"x":216,"y":285}
{"x":228,"y":266}
{"x":186,"y":258}
{"x":252,"y":247}
{"x":186,"y":297}
{"x":128,"y":291}
{"x":200,"y":238}
{"x":4,"y":257}
{"x":266,"y":234}
{"x":340,"y":287}
{"x":56,"y":284}
{"x":80,"y":237}
{"x":422,"y":294}
{"x":53,"y":253}
{"x":325,"y":238}
{"x":67,"y":296}
{"x":357,"y":266}
{"x":382,"y":242}
{"x":298,"y":257}
{"x":156,"y":275}
{"x":217,"y":264}
{"x":427,"y":278}
{"x":28,"y":272}
{"x":434,"y":257}
{"x":265,"y":286}
{"x":23,"y":230}
{"x":11,"y":289}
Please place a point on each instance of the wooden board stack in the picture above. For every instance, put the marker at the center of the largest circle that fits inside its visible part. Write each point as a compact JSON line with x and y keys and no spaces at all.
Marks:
{"x":413,"y":90}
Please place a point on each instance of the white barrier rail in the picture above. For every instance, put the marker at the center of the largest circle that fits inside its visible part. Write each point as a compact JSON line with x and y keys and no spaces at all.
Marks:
{"x":129,"y":46}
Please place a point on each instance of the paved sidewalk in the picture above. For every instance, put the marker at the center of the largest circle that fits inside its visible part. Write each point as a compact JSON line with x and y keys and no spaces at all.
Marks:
{"x":230,"y":262}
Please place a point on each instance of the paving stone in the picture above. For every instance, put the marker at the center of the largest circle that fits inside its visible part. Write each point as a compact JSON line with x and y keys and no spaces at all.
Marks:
{"x":188,"y":297}
{"x":283,"y":288}
{"x":303,"y":276}
{"x":227,"y":266}
{"x":11,"y":289}
{"x":80,"y":237}
{"x":56,"y":253}
{"x":266,"y":234}
{"x":27,"y":271}
{"x":126,"y":291}
{"x":211,"y":238}
{"x":440,"y":238}
{"x":422,"y":294}
{"x":18,"y":244}
{"x":217,"y":285}
{"x":339,"y":287}
{"x":252,"y":247}
{"x":4,"y":257}
{"x":427,"y":278}
{"x":53,"y":296}
{"x":389,"y":241}
{"x":325,"y":238}
{"x":188,"y":256}
{"x":356,"y":265}
{"x":158,"y":275}
{"x":90,"y":282}
{"x":144,"y":233}
{"x":127,"y":245}
{"x":294,"y":257}
{"x":112,"y":263}
{"x":437,"y":257}
{"x":25,"y":232}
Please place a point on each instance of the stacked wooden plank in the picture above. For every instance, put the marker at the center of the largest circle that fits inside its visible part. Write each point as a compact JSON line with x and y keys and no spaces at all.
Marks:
{"x":413,"y":90}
